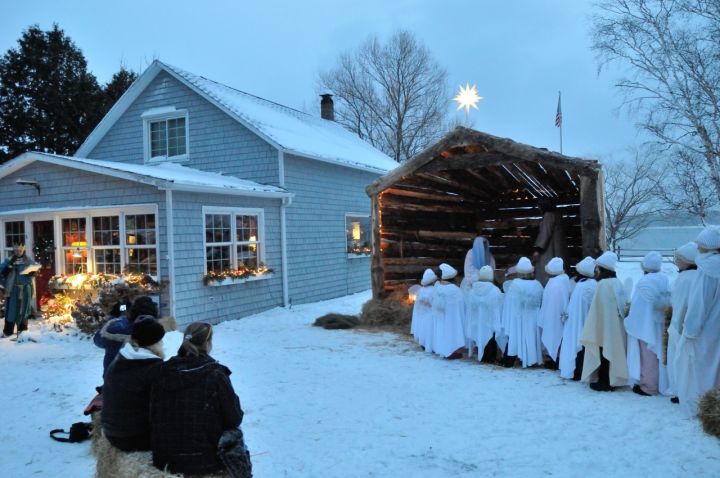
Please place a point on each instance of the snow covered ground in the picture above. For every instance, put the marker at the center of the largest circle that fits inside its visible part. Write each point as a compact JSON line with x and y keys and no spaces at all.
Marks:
{"x":322,"y":403}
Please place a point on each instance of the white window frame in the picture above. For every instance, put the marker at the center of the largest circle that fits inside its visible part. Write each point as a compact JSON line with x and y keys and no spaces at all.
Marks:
{"x":30,"y":216}
{"x":345,"y":224}
{"x":234,"y":212}
{"x":6,"y":250}
{"x":164,"y":114}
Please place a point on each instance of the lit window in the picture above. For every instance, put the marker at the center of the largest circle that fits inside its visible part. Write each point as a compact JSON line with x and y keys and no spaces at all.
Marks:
{"x":106,"y":244}
{"x":140,"y":244}
{"x":74,"y":244}
{"x":233,"y":240}
{"x":358,"y":234}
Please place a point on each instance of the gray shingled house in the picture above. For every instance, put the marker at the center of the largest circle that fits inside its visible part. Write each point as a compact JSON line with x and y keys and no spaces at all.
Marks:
{"x":203,"y":187}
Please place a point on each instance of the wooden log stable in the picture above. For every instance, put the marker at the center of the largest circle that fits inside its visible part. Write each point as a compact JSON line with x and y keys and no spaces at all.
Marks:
{"x":429,"y":209}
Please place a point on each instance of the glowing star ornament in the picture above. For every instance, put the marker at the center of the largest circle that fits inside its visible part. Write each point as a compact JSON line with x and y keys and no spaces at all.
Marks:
{"x":467,"y":97}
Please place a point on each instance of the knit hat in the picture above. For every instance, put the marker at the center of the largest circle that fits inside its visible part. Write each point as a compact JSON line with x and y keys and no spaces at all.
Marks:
{"x":586,"y":267}
{"x":687,"y":253}
{"x":607,"y":260}
{"x":147,"y":331}
{"x":448,"y":271}
{"x":709,"y":238}
{"x":486,"y":274}
{"x":428,"y":277}
{"x":652,"y":262}
{"x":555,"y":266}
{"x":524,"y":266}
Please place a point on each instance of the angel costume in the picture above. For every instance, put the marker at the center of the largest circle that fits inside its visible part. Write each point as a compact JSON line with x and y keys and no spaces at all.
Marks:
{"x":577,"y":311}
{"x":644,"y":326}
{"x":448,"y":312}
{"x":521,"y":311}
{"x":554,"y":307}
{"x":484,"y":313}
{"x":422,"y":319}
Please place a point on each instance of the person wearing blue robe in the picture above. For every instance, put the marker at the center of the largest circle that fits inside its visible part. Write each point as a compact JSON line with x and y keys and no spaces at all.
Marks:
{"x":19,"y":291}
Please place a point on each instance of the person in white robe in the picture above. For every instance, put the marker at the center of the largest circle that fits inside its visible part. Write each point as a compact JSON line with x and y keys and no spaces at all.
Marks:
{"x":698,"y":349}
{"x":553,"y":312}
{"x":484,"y":313}
{"x":448,"y":309}
{"x":422,"y":324}
{"x":521,"y":311}
{"x":475,"y":259}
{"x":603,"y":336}
{"x":644,"y":326}
{"x":685,"y":262}
{"x":571,"y":353}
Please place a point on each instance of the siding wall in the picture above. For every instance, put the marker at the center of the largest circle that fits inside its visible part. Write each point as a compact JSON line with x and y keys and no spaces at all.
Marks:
{"x":195,"y":301}
{"x":318,"y":265}
{"x":218,"y":143}
{"x":72,"y":188}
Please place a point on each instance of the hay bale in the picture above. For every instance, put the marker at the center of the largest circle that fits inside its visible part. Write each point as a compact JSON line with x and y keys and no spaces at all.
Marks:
{"x":115,"y":463}
{"x":336,"y":321}
{"x":388,"y":312}
{"x":709,"y":412}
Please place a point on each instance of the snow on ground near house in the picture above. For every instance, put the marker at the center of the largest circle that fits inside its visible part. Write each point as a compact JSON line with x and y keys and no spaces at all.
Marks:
{"x":322,"y":403}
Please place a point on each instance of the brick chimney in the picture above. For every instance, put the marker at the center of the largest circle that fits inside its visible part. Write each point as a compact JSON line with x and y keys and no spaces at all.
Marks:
{"x":327,"y":108}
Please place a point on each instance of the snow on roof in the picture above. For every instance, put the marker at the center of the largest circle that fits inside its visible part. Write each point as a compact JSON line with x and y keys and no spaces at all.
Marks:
{"x":291,"y":130}
{"x":162,"y":175}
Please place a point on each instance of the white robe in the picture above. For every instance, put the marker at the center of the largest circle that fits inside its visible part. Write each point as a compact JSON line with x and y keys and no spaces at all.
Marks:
{"x":448,"y":309}
{"x":604,"y":328}
{"x":422,"y":320}
{"x":646,"y":321}
{"x":577,"y":310}
{"x":679,"y":300}
{"x":484,"y":313}
{"x":554,"y":307}
{"x":698,"y":350}
{"x":521,"y":311}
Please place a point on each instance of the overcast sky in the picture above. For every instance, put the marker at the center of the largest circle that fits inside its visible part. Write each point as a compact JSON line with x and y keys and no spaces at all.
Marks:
{"x":518,"y":52}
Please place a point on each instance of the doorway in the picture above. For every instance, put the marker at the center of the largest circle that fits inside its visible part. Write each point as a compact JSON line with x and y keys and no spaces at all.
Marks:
{"x":43,"y":240}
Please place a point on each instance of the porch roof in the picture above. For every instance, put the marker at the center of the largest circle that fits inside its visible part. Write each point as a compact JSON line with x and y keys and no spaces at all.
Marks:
{"x":165,"y":176}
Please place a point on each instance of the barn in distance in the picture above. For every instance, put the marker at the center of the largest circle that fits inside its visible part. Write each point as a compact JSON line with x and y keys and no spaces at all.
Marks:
{"x":429,"y":210}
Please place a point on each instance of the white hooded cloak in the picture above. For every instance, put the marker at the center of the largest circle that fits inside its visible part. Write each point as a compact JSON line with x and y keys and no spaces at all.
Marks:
{"x":646,"y":321}
{"x":698,"y":350}
{"x":448,"y":311}
{"x":577,"y":311}
{"x":422,"y":317}
{"x":554,"y":307}
{"x":604,"y":328}
{"x":484,"y":315}
{"x":679,"y":299}
{"x":521,"y":311}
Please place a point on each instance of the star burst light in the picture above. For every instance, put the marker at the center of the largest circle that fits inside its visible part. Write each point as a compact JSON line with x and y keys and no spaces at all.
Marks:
{"x":467,"y":97}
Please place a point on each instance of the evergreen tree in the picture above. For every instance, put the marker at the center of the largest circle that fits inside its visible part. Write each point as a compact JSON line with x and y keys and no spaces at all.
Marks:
{"x":48,"y":100}
{"x":115,"y":88}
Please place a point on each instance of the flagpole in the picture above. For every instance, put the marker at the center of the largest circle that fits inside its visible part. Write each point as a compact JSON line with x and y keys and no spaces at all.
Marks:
{"x":560,"y":110}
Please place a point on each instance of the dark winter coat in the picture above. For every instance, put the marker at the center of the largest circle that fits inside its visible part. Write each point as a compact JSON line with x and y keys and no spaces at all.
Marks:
{"x":126,"y":397}
{"x":192,"y":403}
{"x":111,"y":337}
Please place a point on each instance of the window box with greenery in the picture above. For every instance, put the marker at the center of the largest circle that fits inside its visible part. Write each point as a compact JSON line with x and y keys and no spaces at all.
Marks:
{"x":234,"y":246}
{"x":358,"y":234}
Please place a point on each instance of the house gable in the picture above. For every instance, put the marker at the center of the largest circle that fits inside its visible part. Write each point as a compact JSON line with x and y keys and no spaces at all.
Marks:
{"x":217,"y":143}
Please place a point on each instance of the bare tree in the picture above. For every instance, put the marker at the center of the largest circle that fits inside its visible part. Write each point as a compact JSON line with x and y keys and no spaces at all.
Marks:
{"x":687,"y":186}
{"x":631,"y":202}
{"x":393,"y":95}
{"x":670,"y":50}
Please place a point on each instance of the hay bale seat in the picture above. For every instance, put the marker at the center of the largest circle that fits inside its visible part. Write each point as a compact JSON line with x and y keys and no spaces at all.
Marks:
{"x":115,"y":463}
{"x":429,"y":209}
{"x":709,"y":412}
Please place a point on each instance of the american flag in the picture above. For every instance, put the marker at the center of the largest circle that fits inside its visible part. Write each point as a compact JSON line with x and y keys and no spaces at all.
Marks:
{"x":558,"y":115}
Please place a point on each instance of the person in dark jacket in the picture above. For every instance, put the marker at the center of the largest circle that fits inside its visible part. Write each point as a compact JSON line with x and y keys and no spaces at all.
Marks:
{"x":116,"y":331}
{"x":128,"y":382}
{"x":192,"y":404}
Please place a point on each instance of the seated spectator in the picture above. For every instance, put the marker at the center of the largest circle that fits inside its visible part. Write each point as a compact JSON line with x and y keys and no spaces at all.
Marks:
{"x":128,"y":381}
{"x":116,"y":331}
{"x":193,"y":403}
